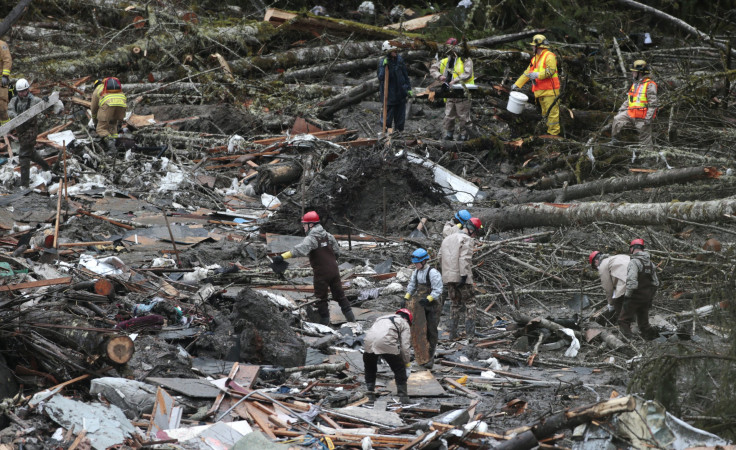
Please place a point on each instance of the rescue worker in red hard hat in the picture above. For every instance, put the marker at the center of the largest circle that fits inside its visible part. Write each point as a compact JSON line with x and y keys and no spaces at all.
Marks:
{"x":389,"y":338}
{"x":456,"y":256}
{"x":322,"y":249}
{"x":640,"y":107}
{"x":641,"y":285}
{"x":612,"y":270}
{"x":108,"y":106}
{"x":542,"y":71}
{"x":453,"y":70}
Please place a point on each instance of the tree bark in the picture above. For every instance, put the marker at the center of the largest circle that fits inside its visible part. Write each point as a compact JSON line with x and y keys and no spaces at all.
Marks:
{"x":13,"y":16}
{"x":678,"y":23}
{"x":495,"y":40}
{"x":576,"y":214}
{"x":621,"y":184}
{"x":351,"y":97}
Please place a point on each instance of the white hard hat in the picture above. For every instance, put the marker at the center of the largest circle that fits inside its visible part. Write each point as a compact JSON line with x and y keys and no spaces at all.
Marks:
{"x":387,"y":46}
{"x":22,"y":85}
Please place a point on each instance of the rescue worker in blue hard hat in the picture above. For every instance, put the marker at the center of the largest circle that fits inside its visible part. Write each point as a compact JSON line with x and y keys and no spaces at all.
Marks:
{"x":425,"y":286}
{"x":456,"y":223}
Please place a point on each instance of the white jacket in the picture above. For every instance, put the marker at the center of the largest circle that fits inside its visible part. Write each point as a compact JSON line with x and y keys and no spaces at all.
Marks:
{"x":612,"y":271}
{"x":389,"y":335}
{"x":456,"y":255}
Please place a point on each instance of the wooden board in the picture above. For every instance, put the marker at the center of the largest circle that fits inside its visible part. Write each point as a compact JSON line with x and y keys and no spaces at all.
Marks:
{"x":419,"y":328}
{"x":29,"y":114}
{"x":421,"y":384}
{"x":243,"y":374}
{"x":415,"y":24}
{"x":35,"y":284}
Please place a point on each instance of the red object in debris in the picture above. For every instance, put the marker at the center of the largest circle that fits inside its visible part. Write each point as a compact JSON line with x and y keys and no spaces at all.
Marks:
{"x":190,"y":17}
{"x":139,"y":22}
{"x":48,"y":241}
{"x":153,"y":321}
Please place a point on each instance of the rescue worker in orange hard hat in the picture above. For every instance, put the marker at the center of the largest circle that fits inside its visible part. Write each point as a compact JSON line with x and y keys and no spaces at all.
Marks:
{"x":640,"y":107}
{"x":322,"y":249}
{"x":542,"y":72}
{"x":108,"y":106}
{"x":641,"y":286}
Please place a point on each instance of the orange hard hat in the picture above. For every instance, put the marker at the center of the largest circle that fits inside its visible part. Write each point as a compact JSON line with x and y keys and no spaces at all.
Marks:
{"x":592,"y":256}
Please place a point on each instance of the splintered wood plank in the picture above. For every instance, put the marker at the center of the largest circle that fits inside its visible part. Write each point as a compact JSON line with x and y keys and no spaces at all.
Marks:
{"x":419,"y":329}
{"x":35,"y":284}
{"x":260,"y":418}
{"x":244,"y":375}
{"x":161,"y":412}
{"x":421,"y":384}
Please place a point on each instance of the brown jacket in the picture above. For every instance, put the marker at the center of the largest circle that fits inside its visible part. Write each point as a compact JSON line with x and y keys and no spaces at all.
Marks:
{"x":389,"y":335}
{"x":456,"y":255}
{"x":5,"y":58}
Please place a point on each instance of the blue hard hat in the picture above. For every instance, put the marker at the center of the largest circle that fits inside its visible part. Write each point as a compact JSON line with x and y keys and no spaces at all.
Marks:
{"x":419,"y":255}
{"x":463,"y":216}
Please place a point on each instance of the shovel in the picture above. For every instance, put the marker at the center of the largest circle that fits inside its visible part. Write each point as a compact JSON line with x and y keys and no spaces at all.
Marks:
{"x":418,"y":233}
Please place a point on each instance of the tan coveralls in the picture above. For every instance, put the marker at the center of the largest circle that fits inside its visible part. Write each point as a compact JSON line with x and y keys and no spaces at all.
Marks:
{"x":108,"y":110}
{"x":456,"y":255}
{"x":642,"y":126}
{"x":6,"y":63}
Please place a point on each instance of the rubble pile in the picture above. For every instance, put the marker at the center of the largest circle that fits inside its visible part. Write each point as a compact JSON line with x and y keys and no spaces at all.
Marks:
{"x":142,"y":304}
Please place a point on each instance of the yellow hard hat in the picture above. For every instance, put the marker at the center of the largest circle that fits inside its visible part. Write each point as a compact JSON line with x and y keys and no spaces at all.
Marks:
{"x":640,"y":66}
{"x":540,"y":41}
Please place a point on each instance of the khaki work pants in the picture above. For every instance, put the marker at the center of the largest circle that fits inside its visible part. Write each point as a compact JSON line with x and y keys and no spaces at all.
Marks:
{"x":456,"y":109}
{"x":4,"y":105}
{"x":108,"y":120}
{"x":642,"y":126}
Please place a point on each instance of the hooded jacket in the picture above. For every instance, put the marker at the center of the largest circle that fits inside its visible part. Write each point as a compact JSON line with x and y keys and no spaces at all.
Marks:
{"x":389,"y":335}
{"x":456,"y":255}
{"x":450,"y":228}
{"x":637,"y":263}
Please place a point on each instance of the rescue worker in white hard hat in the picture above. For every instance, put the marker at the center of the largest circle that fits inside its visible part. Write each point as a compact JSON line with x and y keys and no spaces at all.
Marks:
{"x":27,"y":132}
{"x":108,"y":106}
{"x":542,"y":71}
{"x":454,"y":70}
{"x":640,"y":107}
{"x":399,"y":86}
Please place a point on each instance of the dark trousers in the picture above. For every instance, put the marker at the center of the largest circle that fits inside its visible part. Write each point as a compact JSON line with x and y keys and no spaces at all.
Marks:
{"x":370,"y":361}
{"x":432,"y":313}
{"x":322,"y":287}
{"x":27,"y":137}
{"x":636,"y":308}
{"x":396,"y":115}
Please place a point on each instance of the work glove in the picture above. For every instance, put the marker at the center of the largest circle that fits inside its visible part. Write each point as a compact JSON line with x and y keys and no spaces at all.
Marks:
{"x":410,"y":93}
{"x":385,"y":61}
{"x":463,"y":280}
{"x":532,"y":75}
{"x":426,"y":301}
{"x":407,"y":296}
{"x":5,"y":81}
{"x":278,"y":259}
{"x":515,"y":88}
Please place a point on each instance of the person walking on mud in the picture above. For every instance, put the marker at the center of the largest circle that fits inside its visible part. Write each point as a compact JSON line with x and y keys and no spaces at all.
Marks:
{"x":612,"y":271}
{"x":390,"y":339}
{"x":425,"y":284}
{"x":542,"y":71}
{"x":393,"y":100}
{"x":640,"y":107}
{"x":322,"y":249}
{"x":456,"y":255}
{"x":641,"y":285}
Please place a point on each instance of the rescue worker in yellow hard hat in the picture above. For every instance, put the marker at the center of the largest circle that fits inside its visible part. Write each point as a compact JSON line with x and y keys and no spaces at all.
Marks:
{"x":454,"y":70}
{"x":640,"y":107}
{"x":542,"y":71}
{"x":6,"y":62}
{"x":108,"y":106}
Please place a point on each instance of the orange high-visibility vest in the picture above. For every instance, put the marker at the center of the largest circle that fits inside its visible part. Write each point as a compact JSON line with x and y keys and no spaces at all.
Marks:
{"x":540,"y":62}
{"x":638,"y":102}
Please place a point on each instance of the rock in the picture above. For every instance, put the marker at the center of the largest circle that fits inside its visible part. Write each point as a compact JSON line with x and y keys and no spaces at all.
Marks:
{"x":132,"y":397}
{"x":264,"y":333}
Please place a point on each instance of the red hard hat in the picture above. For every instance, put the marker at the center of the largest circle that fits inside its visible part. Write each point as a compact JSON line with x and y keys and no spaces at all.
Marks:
{"x":637,"y":242}
{"x":408,"y":313}
{"x":311,"y":217}
{"x":592,"y":257}
{"x":475,"y":225}
{"x":451,"y":41}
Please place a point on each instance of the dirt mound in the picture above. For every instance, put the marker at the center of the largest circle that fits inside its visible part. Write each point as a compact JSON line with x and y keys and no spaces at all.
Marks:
{"x":353,"y":189}
{"x":215,"y":119}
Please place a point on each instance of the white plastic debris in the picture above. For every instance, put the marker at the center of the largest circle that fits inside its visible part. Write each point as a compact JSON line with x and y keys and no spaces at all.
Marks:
{"x":477,"y":426}
{"x":574,"y":346}
{"x":58,"y":434}
{"x":404,"y":274}
{"x":367,"y":8}
{"x":163,"y":262}
{"x":317,"y":328}
{"x":361,"y":282}
{"x":488,"y":374}
{"x":393,"y":288}
{"x":365,"y":444}
{"x":61,"y":138}
{"x":199,"y":274}
{"x":171,"y":181}
{"x":58,"y":107}
{"x":278,"y":300}
{"x":270,"y":201}
{"x":235,"y":143}
{"x":492,"y":363}
{"x":111,"y":265}
{"x":647,"y":38}
{"x":464,"y":4}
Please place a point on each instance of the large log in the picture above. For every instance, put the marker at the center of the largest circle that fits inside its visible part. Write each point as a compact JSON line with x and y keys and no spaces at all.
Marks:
{"x":495,"y":40}
{"x":351,"y":97}
{"x":13,"y":16}
{"x":568,"y":214}
{"x":347,"y":66}
{"x":621,"y":184}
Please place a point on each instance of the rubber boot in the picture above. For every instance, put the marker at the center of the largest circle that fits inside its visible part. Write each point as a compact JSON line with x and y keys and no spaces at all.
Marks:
{"x":470,"y":329}
{"x":453,"y":327}
{"x":370,"y":392}
{"x":348,"y":313}
{"x":429,"y":364}
{"x":324,"y":320}
{"x":625,"y":330}
{"x":403,"y":391}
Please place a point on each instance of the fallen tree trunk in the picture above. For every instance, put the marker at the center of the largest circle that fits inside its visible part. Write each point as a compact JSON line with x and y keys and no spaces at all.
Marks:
{"x":569,"y":214}
{"x":351,"y":97}
{"x":13,"y":16}
{"x":348,"y":66}
{"x":495,"y":40}
{"x":678,"y":23}
{"x":621,"y":184}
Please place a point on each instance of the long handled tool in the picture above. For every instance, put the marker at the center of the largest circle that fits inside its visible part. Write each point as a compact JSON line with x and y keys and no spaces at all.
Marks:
{"x":385,"y":96}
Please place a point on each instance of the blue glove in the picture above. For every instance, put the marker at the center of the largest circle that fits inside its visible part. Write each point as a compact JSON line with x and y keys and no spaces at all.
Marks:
{"x":532,"y":75}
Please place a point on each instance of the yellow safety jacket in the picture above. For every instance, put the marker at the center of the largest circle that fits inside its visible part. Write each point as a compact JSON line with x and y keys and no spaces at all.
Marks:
{"x":638,"y":101}
{"x":117,"y":99}
{"x":457,"y":70}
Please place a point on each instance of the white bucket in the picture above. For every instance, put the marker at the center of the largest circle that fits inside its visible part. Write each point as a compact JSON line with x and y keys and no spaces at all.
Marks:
{"x":516,"y":102}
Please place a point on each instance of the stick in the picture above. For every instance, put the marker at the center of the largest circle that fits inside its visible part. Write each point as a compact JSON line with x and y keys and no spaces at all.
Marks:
{"x":58,"y":213}
{"x":116,"y":223}
{"x":66,"y":183}
{"x":171,"y":235}
{"x":385,"y":104}
{"x":620,"y":58}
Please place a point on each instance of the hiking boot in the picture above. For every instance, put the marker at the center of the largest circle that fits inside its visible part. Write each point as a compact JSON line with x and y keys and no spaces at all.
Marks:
{"x":348,"y":313}
{"x":324,"y":320}
{"x":649,"y":334}
{"x":626,"y":331}
{"x":470,"y":329}
{"x":403,"y":391}
{"x":370,"y":392}
{"x":429,"y":364}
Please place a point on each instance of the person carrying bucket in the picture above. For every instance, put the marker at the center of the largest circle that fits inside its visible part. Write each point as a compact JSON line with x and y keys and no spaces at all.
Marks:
{"x":542,"y":71}
{"x":454,"y":70}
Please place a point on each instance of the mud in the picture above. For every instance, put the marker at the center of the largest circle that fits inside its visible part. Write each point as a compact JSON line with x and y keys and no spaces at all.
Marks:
{"x":216,"y":119}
